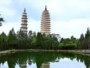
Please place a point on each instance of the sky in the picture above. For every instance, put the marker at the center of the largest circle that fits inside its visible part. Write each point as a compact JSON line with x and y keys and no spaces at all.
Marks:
{"x":68,"y":17}
{"x":63,"y":63}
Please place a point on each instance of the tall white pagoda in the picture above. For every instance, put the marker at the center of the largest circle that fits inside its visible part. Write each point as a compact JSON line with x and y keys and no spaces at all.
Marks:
{"x":45,"y":22}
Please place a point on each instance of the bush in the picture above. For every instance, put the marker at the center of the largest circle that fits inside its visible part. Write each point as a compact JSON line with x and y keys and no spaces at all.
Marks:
{"x":68,"y":46}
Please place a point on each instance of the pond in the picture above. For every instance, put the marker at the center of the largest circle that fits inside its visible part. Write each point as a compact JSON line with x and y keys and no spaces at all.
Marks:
{"x":44,"y":60}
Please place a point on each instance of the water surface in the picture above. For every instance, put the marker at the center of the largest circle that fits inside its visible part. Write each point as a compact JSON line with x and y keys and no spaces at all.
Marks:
{"x":44,"y":60}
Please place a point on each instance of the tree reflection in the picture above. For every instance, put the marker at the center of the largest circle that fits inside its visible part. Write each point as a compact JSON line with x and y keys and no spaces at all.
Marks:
{"x":41,"y":59}
{"x":23,"y":65}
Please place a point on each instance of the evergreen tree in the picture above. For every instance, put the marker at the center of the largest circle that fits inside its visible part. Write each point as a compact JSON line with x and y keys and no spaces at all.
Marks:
{"x":30,"y":34}
{"x":84,"y":42}
{"x":3,"y":41}
{"x":73,"y":39}
{"x":39,"y":40}
{"x":87,"y":39}
{"x":81,"y":41}
{"x":21,"y":35}
{"x":12,"y":39}
{"x":22,"y":40}
{"x":87,"y":35}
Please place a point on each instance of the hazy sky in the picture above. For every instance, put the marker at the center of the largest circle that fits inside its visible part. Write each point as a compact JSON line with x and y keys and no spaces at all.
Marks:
{"x":68,"y":17}
{"x":63,"y":63}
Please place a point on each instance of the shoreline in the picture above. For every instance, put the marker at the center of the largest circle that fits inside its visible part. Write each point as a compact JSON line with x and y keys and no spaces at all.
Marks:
{"x":83,"y":52}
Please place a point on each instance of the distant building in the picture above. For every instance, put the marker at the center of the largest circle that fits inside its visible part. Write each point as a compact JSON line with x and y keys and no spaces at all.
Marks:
{"x":45,"y":22}
{"x":57,"y":36}
{"x":24,"y":22}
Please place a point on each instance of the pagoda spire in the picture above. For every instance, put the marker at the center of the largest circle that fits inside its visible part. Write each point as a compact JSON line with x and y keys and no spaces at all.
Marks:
{"x":45,"y":7}
{"x":25,"y":10}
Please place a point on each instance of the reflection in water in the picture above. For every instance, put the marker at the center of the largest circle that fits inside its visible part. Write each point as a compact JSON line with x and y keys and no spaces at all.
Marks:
{"x":45,"y":65}
{"x":41,"y":59}
{"x":23,"y":65}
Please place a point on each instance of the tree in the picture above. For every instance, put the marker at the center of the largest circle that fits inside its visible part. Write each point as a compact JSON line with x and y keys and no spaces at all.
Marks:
{"x":30,"y":34}
{"x":87,"y":35}
{"x":39,"y":40}
{"x":87,"y":39}
{"x":1,"y":20}
{"x":12,"y":39}
{"x":3,"y":41}
{"x":81,"y":41}
{"x":21,"y":35}
{"x":22,"y":40}
{"x":74,"y":40}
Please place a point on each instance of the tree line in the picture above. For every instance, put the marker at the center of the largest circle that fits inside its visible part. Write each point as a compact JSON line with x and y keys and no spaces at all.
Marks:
{"x":33,"y":40}
{"x":84,"y":40}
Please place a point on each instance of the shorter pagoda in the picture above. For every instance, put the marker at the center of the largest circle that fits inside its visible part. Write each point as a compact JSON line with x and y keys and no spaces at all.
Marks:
{"x":24,"y":22}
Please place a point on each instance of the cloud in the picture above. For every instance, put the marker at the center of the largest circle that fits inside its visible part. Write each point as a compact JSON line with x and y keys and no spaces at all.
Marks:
{"x":66,"y":9}
{"x":5,"y":2}
{"x":6,"y":10}
{"x":72,"y":27}
{"x":64,"y":28}
{"x":68,"y":17}
{"x":6,"y":27}
{"x":60,"y":7}
{"x":34,"y":25}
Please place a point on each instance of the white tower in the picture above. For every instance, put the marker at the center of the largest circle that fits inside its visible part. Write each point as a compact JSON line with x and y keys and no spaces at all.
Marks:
{"x":24,"y":22}
{"x":45,"y":22}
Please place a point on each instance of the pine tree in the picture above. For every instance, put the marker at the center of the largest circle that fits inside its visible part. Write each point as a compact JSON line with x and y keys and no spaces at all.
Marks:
{"x":81,"y":41}
{"x":12,"y":39}
{"x":3,"y":41}
{"x":87,"y":39}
